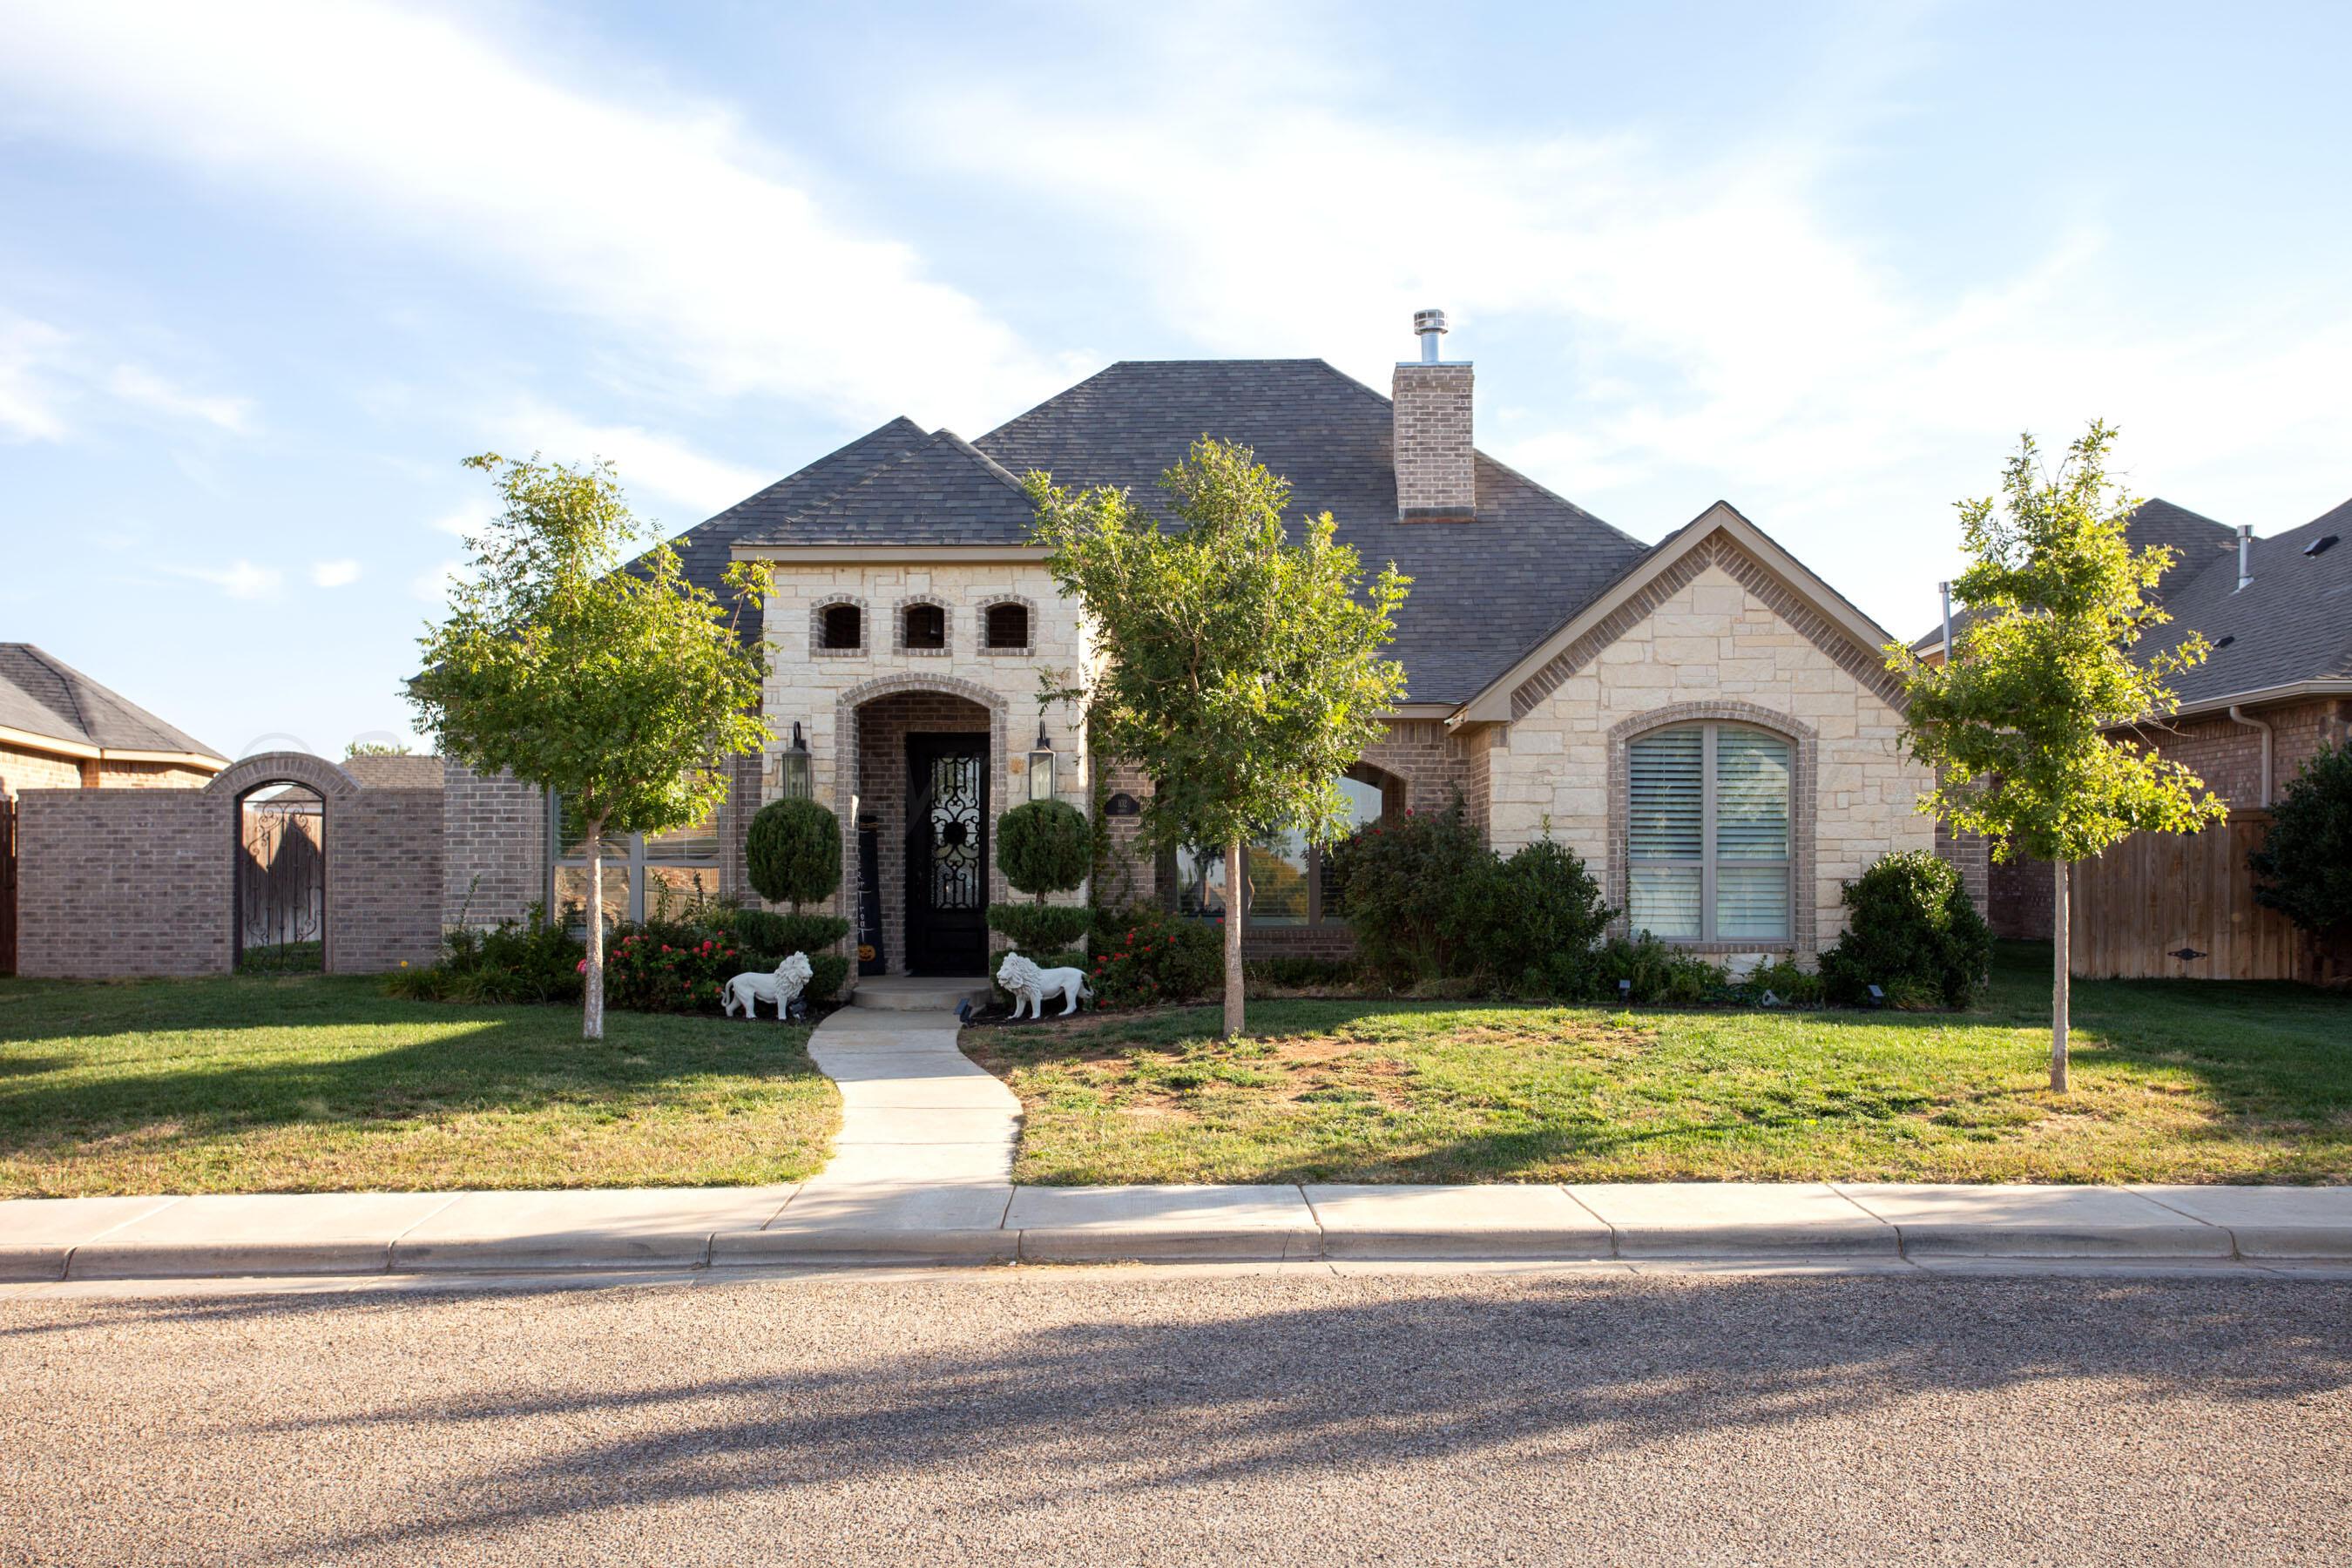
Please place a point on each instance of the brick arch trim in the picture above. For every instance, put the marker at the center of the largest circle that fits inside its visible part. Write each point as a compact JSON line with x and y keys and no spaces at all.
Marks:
{"x":898,"y":627}
{"x":997,"y":601}
{"x":322,"y":777}
{"x":816,"y":627}
{"x":1803,"y":811}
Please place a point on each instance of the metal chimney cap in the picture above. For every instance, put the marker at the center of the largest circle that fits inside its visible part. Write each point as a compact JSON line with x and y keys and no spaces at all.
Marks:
{"x":1429,"y":321}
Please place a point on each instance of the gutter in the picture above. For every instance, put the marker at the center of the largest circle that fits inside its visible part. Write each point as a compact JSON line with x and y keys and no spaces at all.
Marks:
{"x":2238,"y":715}
{"x":59,"y":746}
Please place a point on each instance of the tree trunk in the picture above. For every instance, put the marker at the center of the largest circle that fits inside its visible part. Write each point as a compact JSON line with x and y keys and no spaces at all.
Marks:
{"x":2062,"y":964}
{"x":1236,"y":903}
{"x":591,"y":991}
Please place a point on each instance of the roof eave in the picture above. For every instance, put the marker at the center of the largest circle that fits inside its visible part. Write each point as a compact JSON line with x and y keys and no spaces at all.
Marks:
{"x":859,"y":554}
{"x":58,"y":745}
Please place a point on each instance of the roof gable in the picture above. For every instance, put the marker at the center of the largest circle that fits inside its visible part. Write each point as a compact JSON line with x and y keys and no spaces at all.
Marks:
{"x":44,"y":696}
{"x":706,"y":550}
{"x":1719,"y":537}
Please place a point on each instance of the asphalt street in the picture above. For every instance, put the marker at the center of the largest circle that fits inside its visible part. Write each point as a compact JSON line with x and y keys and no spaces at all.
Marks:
{"x":1119,"y":1415}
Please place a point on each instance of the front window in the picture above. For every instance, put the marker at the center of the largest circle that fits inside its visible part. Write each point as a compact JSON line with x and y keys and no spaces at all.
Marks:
{"x":1707,"y":837}
{"x":656,"y":877}
{"x":1283,"y":874}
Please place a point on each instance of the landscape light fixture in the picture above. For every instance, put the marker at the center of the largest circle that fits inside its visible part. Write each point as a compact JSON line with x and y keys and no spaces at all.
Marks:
{"x":1040,"y":765}
{"x":796,"y":770}
{"x":1877,"y":998}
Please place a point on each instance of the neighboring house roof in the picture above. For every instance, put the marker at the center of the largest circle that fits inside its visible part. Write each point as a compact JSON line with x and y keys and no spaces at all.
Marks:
{"x":395,"y":772}
{"x":939,"y":491}
{"x":2291,"y":625}
{"x":1483,"y":591}
{"x":2193,"y":536}
{"x":44,"y":698}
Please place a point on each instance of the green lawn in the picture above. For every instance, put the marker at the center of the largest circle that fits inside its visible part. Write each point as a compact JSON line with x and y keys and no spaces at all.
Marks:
{"x":317,"y":1085}
{"x":2175,"y":1082}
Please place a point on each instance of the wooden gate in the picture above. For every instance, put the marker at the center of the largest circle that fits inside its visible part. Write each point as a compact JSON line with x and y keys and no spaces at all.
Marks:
{"x":7,"y":886}
{"x":2181,"y":906}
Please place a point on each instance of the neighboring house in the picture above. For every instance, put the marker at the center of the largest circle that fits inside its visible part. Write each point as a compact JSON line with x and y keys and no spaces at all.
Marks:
{"x":62,"y":730}
{"x":1704,"y":721}
{"x":2277,"y":686}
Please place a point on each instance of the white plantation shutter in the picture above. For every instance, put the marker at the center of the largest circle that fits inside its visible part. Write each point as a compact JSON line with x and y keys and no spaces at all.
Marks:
{"x":1669,"y":798}
{"x":1708,"y":833}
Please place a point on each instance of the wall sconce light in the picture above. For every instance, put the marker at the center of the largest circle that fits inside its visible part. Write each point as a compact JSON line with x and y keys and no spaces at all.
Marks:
{"x":795,"y":770}
{"x":1040,"y":765}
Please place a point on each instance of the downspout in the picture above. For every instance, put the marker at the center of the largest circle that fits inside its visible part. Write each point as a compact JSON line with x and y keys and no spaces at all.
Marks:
{"x":2238,"y":715}
{"x":1946,"y":589}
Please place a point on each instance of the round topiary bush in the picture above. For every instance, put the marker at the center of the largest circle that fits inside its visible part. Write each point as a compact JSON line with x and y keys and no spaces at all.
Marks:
{"x":1044,"y":846}
{"x":1911,"y":932}
{"x":794,"y":852}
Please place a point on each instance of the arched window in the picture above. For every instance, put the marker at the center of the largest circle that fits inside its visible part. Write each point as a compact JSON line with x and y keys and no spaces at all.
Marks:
{"x":1709,"y":852}
{"x":1008,"y":628}
{"x":925,"y":626}
{"x":841,"y":627}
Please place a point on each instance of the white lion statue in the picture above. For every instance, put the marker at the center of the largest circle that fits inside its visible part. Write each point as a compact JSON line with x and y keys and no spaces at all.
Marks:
{"x":1031,"y":986}
{"x":749,"y":989}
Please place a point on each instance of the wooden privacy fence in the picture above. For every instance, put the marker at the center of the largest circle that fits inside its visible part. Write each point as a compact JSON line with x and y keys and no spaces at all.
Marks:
{"x":2181,"y":906}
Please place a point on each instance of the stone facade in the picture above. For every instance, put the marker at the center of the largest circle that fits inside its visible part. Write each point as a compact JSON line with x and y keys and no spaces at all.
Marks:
{"x":1712,"y":642}
{"x":1436,"y":468}
{"x":141,"y":881}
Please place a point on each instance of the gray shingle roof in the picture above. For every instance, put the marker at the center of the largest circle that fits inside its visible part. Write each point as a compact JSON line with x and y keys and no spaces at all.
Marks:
{"x":705,"y":549}
{"x":44,"y":696}
{"x":2292,"y":622}
{"x":941,"y":492}
{"x":2194,"y":537}
{"x":1483,"y":591}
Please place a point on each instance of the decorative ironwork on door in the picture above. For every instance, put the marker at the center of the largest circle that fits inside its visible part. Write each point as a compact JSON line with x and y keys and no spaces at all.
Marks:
{"x":953,"y":821}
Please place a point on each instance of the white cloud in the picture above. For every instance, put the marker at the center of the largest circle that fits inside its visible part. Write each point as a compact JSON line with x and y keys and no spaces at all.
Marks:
{"x":28,"y":410}
{"x":650,"y":465}
{"x":238,"y":580}
{"x":138,"y":385}
{"x":335,"y":574}
{"x":662,"y":225}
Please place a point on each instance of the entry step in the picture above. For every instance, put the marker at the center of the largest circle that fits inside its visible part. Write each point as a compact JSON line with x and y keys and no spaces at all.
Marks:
{"x":920,"y":993}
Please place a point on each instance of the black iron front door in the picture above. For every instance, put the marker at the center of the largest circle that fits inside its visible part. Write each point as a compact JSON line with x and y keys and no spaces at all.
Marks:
{"x":947,"y":855}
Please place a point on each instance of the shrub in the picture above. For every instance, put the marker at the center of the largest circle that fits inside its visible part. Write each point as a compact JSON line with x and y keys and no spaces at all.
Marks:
{"x":683,"y":966}
{"x":794,"y":852}
{"x":1044,"y":846}
{"x":1040,"y":927}
{"x":2304,"y":869}
{"x":1301,"y":973}
{"x":1147,"y":955}
{"x":1402,"y":881}
{"x":529,"y":960}
{"x":1785,"y":981}
{"x":1909,"y":920}
{"x":1659,"y":973}
{"x":1531,"y":920}
{"x":776,"y":935}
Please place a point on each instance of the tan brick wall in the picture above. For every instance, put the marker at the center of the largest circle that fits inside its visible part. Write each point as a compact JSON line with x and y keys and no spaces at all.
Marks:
{"x":22,"y":769}
{"x":1713,"y":643}
{"x":1437,"y":474}
{"x":121,"y":883}
{"x":149,"y":775}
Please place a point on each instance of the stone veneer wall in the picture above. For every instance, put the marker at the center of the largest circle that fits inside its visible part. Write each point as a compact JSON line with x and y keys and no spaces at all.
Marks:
{"x":1724,"y":638}
{"x":494,"y":847}
{"x":141,"y":881}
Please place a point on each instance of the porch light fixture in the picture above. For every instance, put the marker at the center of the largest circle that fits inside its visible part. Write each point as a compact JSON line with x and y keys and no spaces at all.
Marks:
{"x":795,"y":770}
{"x":1040,"y":765}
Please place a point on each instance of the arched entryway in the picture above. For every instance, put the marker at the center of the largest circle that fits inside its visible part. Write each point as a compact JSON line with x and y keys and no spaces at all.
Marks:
{"x":282,"y":807}
{"x":928,"y":781}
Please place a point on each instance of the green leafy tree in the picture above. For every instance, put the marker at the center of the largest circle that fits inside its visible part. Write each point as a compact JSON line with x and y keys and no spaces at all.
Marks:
{"x":1241,"y":671}
{"x":375,"y":749}
{"x":2304,"y":869}
{"x":2018,"y":726}
{"x":616,"y":684}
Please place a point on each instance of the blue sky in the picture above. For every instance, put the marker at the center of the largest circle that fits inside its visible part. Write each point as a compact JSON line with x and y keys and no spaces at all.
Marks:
{"x":267,"y":272}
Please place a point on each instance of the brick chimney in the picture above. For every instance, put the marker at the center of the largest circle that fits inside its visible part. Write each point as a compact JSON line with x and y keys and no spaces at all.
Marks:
{"x":1436,"y":480}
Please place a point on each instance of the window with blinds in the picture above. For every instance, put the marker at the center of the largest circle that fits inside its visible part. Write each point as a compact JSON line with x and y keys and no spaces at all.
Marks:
{"x":1708,"y":837}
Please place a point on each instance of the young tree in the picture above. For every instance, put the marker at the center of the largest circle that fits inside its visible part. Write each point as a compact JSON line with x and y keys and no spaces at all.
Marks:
{"x":2016,"y":726}
{"x":1240,"y":671}
{"x":617,"y":689}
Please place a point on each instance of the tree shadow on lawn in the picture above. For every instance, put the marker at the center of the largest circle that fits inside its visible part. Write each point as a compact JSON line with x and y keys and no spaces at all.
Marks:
{"x":188,"y":1061}
{"x":1306,"y":1378}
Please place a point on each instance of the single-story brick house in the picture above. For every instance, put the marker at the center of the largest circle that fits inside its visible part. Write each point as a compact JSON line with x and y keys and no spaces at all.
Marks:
{"x":1704,"y":721}
{"x":2278,"y":686}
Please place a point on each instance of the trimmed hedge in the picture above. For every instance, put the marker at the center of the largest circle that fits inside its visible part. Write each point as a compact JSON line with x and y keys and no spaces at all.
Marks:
{"x":793,"y":852}
{"x":1912,"y":932}
{"x":1040,"y":927}
{"x":1044,"y":846}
